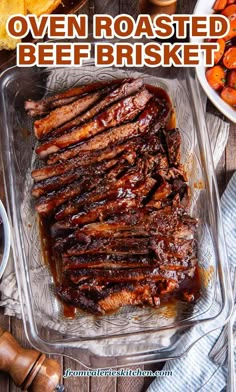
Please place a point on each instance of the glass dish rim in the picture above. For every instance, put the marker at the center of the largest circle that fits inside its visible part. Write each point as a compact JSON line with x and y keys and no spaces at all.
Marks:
{"x":23,"y":286}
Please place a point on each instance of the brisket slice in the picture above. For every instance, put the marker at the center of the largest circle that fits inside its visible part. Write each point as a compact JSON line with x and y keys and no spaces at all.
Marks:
{"x":126,"y":89}
{"x":97,"y":276}
{"x":118,"y":201}
{"x":47,"y":203}
{"x":133,"y":225}
{"x":56,"y":104}
{"x":83,"y":161}
{"x":150,"y":116}
{"x":123,"y":111}
{"x":104,"y":191}
{"x":100,"y":300}
{"x":57,"y":100}
{"x":112,"y":261}
{"x":106,"y":261}
{"x":164,"y":248}
{"x":63,"y":114}
{"x":178,"y":228}
{"x":57,"y":182}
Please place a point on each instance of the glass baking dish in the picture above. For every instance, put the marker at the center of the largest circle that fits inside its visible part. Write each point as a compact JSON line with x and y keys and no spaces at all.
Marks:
{"x":132,"y":335}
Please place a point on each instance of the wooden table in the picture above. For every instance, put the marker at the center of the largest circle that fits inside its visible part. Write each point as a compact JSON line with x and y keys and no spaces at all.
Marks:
{"x":224,"y":171}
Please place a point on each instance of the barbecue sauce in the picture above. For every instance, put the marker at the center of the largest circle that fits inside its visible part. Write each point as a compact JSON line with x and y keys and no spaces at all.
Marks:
{"x":159,"y":92}
{"x":162,"y":94}
{"x":53,"y":261}
{"x":47,"y":242}
{"x":191,"y":286}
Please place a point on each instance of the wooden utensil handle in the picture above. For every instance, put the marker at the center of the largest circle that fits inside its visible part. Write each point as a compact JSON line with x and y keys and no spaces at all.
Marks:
{"x":29,"y":369}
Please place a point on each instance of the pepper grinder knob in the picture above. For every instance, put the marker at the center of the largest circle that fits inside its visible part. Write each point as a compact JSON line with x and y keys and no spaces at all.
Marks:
{"x":29,"y":369}
{"x":156,"y":7}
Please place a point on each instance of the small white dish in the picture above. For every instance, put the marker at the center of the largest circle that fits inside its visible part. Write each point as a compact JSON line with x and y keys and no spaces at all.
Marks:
{"x":6,"y":240}
{"x":204,"y":7}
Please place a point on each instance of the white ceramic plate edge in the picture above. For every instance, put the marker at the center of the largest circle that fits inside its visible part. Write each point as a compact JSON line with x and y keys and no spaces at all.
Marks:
{"x":7,"y":239}
{"x":203,"y":7}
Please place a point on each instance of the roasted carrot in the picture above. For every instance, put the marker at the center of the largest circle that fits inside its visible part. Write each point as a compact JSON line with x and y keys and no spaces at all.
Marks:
{"x":231,"y":79}
{"x":228,"y":94}
{"x":219,"y":5}
{"x":229,"y":11}
{"x":232,"y":30}
{"x":222,"y":77}
{"x":229,"y":58}
{"x":218,"y":55}
{"x":216,"y":77}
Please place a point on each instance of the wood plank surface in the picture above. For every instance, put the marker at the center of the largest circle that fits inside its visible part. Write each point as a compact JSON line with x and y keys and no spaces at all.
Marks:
{"x":103,"y":384}
{"x":5,"y":323}
{"x":80,"y":384}
{"x":131,"y":384}
{"x":224,"y":172}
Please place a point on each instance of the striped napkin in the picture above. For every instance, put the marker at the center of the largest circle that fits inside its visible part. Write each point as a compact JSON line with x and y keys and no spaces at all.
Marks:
{"x":195,"y":371}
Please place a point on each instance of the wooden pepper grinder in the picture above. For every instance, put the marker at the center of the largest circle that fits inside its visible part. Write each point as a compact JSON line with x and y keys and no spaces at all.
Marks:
{"x":155,"y":7}
{"x":29,"y":369}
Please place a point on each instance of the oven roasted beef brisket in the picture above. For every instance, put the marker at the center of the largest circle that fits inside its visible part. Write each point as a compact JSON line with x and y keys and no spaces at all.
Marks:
{"x":114,"y":196}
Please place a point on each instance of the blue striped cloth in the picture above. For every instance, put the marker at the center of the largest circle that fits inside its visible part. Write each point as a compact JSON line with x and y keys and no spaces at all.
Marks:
{"x":195,"y":371}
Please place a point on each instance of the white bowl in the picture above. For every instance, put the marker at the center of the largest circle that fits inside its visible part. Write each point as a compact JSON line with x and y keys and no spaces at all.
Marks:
{"x":6,"y":239}
{"x":204,"y":7}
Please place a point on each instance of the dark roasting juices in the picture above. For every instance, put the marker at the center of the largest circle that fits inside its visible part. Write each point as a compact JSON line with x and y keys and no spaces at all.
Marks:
{"x":47,"y":242}
{"x":69,"y":311}
{"x":161,"y":93}
{"x":53,"y":260}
